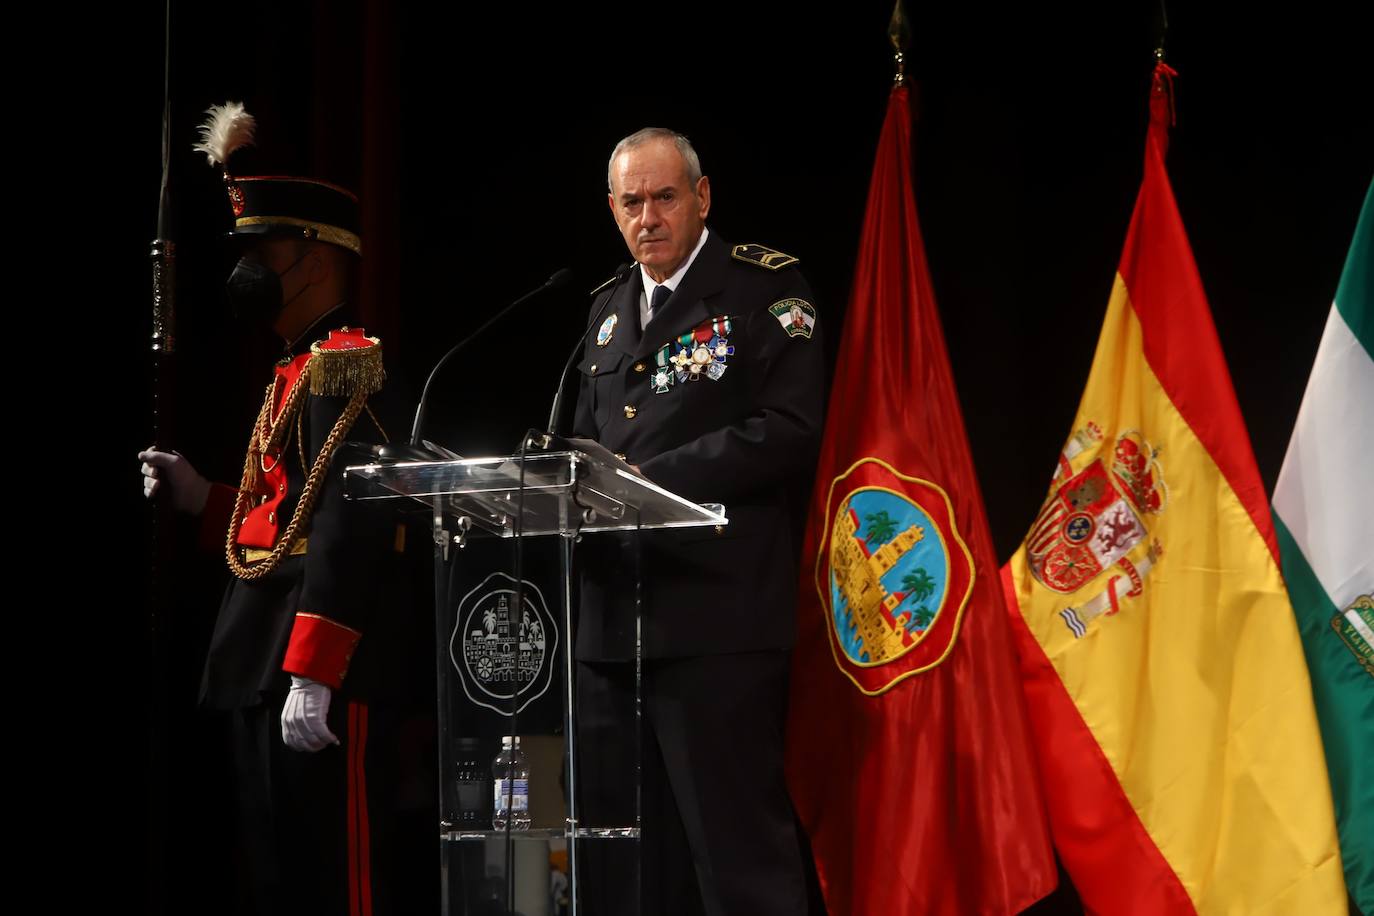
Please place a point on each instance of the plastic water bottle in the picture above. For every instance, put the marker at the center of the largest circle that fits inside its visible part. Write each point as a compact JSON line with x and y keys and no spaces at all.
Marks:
{"x":511,"y":779}
{"x":472,"y":786}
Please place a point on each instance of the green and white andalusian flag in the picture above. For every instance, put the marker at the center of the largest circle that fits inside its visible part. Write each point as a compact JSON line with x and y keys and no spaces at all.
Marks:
{"x":1324,"y":513}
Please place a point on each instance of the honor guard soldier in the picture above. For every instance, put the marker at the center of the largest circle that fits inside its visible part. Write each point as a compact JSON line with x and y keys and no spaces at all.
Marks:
{"x":302,"y":636}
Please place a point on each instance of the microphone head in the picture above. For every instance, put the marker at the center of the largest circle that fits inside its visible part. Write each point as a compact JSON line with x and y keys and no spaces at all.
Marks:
{"x":560,"y":278}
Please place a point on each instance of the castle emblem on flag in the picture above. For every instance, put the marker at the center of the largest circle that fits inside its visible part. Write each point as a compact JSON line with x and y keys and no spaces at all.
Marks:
{"x":893,"y":575}
{"x":1095,"y":520}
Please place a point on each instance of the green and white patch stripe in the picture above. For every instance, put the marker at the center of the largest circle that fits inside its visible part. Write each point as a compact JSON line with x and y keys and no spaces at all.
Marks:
{"x":797,"y":316}
{"x":1324,"y":516}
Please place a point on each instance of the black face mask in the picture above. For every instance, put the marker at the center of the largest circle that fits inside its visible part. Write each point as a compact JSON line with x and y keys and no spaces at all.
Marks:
{"x":254,"y":290}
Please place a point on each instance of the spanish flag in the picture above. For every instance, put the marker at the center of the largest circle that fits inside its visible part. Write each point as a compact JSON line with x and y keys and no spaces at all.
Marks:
{"x":1168,"y":693}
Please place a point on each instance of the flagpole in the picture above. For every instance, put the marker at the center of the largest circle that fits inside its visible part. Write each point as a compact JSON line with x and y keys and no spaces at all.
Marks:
{"x":1163,"y":31}
{"x":899,"y":33}
{"x":163,"y":348}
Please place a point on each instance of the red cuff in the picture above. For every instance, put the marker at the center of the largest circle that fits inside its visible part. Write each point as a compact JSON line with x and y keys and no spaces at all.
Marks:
{"x":320,"y":649}
{"x":214,"y":518}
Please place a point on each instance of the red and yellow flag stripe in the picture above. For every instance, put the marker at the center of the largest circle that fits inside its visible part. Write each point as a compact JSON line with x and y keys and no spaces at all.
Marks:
{"x":1166,"y":682}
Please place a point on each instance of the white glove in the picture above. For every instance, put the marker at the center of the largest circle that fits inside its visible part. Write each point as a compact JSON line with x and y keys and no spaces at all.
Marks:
{"x":304,"y":725}
{"x":162,"y":470}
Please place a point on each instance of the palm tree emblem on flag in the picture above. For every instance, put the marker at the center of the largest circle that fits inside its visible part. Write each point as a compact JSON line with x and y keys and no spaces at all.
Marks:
{"x":893,"y":573}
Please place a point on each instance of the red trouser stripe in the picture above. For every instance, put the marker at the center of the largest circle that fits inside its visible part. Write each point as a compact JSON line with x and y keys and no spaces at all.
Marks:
{"x":365,"y":831}
{"x":359,"y":837}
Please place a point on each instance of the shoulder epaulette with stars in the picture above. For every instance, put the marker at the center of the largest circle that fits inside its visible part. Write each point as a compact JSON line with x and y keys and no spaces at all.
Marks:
{"x":763,"y":256}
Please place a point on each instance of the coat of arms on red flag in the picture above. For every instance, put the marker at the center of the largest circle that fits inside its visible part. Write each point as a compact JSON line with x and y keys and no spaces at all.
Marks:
{"x":902,"y":601}
{"x":893,"y":574}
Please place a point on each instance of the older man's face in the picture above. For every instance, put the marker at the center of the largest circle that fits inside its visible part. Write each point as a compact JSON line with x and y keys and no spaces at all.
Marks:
{"x":659,"y":212}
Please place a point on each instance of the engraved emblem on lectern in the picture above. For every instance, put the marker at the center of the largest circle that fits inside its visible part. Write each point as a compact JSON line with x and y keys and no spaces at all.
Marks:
{"x":499,"y":650}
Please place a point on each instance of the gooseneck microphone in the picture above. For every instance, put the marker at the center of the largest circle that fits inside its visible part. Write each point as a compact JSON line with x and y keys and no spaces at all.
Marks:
{"x":414,"y":450}
{"x":621,"y":273}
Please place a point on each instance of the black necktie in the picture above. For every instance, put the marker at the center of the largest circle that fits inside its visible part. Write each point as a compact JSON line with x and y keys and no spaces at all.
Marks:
{"x":661,"y":294}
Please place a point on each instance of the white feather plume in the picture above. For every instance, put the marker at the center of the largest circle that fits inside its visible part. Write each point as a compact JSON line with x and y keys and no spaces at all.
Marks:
{"x":228,"y":128}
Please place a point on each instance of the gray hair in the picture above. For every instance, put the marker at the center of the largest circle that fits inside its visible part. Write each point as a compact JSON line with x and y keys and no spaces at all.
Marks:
{"x":648,"y":134}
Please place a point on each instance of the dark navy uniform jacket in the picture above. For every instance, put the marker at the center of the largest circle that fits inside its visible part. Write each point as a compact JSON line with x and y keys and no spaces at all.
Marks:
{"x":743,"y":429}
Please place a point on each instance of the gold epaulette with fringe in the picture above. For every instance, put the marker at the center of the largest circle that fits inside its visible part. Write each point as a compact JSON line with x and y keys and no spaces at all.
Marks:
{"x":346,"y":363}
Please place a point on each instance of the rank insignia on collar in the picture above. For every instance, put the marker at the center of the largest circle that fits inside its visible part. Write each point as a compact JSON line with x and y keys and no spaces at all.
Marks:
{"x":797,"y":316}
{"x":603,"y":336}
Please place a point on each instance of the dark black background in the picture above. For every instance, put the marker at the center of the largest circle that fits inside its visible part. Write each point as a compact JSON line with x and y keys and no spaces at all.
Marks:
{"x":479,"y":139}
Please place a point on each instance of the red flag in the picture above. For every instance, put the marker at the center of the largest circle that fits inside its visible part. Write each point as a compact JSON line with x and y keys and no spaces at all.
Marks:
{"x":908,"y":750}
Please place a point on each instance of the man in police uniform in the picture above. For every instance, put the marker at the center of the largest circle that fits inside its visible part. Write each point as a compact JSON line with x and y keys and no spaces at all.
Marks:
{"x":705,"y":372}
{"x":302,"y":633}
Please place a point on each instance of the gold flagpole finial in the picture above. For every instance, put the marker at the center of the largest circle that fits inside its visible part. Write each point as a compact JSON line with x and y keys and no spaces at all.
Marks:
{"x":899,"y":33}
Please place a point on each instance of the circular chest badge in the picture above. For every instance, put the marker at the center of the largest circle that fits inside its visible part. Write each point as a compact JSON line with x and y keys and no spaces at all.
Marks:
{"x":893,"y":575}
{"x":606,"y":331}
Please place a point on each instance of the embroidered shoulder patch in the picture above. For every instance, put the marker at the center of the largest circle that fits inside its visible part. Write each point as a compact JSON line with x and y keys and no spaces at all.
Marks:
{"x":797,"y":316}
{"x":762,"y":256}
